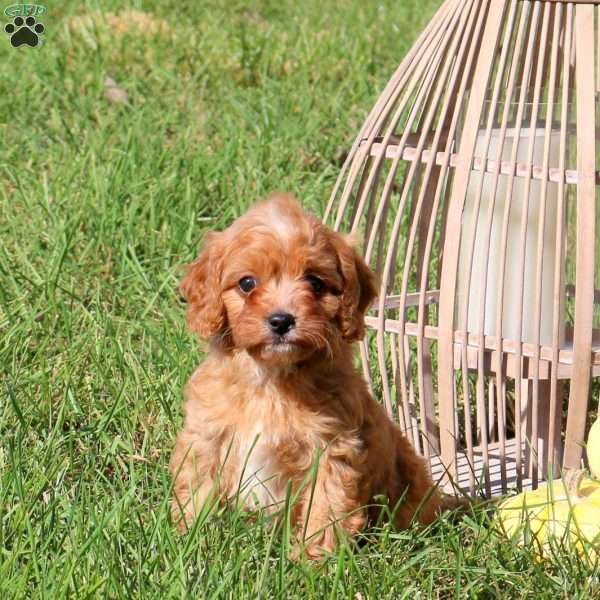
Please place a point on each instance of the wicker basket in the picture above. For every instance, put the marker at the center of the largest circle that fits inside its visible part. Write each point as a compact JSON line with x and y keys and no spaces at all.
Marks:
{"x":474,"y":186}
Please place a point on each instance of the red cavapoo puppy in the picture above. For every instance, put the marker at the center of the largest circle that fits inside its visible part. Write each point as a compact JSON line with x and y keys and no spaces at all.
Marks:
{"x":281,"y":298}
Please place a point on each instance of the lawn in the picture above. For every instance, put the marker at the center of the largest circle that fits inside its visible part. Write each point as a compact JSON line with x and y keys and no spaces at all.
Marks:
{"x":106,"y":189}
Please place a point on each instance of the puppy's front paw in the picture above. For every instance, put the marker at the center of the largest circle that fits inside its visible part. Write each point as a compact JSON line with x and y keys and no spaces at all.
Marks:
{"x":312,"y":551}
{"x":317,"y":546}
{"x":182,"y":517}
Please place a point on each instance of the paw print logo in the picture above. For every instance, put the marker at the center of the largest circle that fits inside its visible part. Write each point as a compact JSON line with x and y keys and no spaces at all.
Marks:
{"x":24,"y":31}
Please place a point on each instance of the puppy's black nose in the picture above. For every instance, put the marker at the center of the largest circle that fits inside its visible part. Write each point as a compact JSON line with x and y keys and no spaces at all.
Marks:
{"x":281,"y":323}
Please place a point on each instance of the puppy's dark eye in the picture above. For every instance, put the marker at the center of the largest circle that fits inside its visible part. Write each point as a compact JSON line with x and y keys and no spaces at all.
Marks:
{"x":317,"y":284}
{"x":247,"y":284}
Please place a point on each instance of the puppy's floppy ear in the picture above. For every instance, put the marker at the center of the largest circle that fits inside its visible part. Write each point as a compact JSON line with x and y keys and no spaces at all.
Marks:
{"x":201,"y":287}
{"x":360,"y":288}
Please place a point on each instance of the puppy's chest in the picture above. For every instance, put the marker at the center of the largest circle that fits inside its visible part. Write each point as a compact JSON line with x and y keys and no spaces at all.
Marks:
{"x":261,"y":472}
{"x":268,"y":436}
{"x":273,"y":447}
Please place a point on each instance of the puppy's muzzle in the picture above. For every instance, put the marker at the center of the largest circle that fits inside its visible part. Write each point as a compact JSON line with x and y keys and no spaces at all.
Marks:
{"x":280,"y":323}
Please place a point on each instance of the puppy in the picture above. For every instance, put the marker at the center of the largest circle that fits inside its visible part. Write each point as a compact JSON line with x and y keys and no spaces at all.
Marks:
{"x":278,"y":402}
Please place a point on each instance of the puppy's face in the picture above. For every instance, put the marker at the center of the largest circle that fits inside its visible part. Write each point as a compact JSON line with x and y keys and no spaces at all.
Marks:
{"x":279,"y":285}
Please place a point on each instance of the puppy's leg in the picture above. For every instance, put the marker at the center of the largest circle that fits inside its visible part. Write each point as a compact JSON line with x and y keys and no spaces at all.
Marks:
{"x":412,"y":492}
{"x":192,"y":486}
{"x":331,"y":507}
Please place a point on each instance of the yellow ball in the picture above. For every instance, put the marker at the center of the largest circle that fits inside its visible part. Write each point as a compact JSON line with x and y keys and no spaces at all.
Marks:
{"x":563,"y":512}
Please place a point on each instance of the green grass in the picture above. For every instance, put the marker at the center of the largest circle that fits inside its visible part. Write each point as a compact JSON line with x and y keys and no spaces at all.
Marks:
{"x":100,"y":205}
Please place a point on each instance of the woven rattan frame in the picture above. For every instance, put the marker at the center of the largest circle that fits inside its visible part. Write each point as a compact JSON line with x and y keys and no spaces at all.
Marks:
{"x":477,"y":167}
